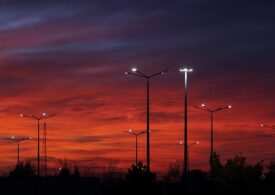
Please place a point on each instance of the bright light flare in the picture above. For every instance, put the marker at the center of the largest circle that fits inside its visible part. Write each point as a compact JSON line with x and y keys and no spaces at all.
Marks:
{"x":186,"y":69}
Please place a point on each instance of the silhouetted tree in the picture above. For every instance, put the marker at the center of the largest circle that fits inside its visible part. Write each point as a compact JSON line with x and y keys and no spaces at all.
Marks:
{"x":23,"y":170}
{"x":217,"y":166}
{"x":173,"y":174}
{"x":238,"y":177}
{"x":238,"y":171}
{"x":140,"y":174}
{"x":76,"y":173}
{"x":271,"y":169}
{"x":64,"y":170}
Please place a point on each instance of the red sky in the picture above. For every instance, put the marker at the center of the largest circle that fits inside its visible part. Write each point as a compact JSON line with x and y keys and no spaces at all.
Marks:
{"x":69,"y":59}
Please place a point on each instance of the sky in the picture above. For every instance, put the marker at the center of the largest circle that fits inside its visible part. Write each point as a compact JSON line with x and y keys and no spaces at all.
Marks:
{"x":69,"y":58}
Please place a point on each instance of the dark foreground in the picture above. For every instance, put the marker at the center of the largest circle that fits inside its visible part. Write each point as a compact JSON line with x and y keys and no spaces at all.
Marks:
{"x":93,"y":185}
{"x":235,"y":177}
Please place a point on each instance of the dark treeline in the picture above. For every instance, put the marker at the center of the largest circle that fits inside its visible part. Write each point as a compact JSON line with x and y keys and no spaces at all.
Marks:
{"x":235,"y":176}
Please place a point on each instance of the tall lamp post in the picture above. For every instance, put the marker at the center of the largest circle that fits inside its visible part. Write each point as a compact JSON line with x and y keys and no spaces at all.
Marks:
{"x":185,"y":161}
{"x":45,"y":146}
{"x":44,"y":116}
{"x":135,"y":72}
{"x":18,"y":140}
{"x":188,"y":146}
{"x":136,"y":134}
{"x":212,"y":111}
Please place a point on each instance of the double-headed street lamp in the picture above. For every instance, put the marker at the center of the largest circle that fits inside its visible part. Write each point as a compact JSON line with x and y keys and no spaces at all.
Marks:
{"x":135,"y":72}
{"x":188,"y":146}
{"x":136,"y":134}
{"x":44,"y":116}
{"x":18,"y":140}
{"x":212,"y":111}
{"x":185,"y":162}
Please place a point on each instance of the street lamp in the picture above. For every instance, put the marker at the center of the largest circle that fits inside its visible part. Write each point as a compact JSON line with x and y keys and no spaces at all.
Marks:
{"x":212,"y":111}
{"x":188,"y":146}
{"x":136,"y":134}
{"x":18,"y":140}
{"x":268,"y":126}
{"x":45,"y":146}
{"x":136,"y":72}
{"x":185,"y":162}
{"x":44,"y":116}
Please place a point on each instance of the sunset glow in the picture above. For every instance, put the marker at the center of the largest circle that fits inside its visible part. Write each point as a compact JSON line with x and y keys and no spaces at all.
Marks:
{"x":69,"y":59}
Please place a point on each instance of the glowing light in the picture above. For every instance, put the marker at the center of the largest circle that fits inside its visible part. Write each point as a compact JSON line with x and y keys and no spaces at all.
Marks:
{"x":134,"y":69}
{"x":186,"y":70}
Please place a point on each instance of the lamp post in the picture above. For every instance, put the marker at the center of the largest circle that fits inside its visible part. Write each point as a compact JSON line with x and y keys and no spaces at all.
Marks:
{"x":18,"y":140}
{"x":188,"y":146}
{"x":212,"y":111}
{"x":135,"y":72}
{"x":136,"y":134}
{"x":44,"y":116}
{"x":185,"y":161}
{"x":45,"y":146}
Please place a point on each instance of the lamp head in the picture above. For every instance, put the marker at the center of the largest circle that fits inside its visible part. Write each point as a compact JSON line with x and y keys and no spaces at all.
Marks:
{"x":186,"y":70}
{"x":134,"y":69}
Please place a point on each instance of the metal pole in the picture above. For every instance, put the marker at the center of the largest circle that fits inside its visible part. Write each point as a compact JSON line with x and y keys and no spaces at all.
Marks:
{"x":45,"y":147}
{"x":185,"y":166}
{"x":18,"y":153}
{"x":38,"y":147}
{"x":136,"y":150}
{"x":188,"y":147}
{"x":212,"y":152}
{"x":148,"y":125}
